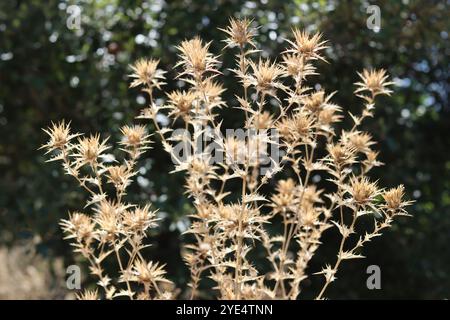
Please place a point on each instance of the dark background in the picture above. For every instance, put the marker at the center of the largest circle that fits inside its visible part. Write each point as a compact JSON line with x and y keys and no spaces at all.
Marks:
{"x":49,"y":73}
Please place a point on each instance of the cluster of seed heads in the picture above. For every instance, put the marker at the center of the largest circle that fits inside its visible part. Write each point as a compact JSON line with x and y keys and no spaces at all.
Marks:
{"x":227,"y":224}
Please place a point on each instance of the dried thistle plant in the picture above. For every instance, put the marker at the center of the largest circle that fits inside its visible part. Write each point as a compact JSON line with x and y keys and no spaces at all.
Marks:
{"x":115,"y":229}
{"x":281,"y":111}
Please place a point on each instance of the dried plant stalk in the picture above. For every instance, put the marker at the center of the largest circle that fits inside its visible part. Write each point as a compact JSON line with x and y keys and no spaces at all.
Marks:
{"x":278,"y":110}
{"x":116,"y":229}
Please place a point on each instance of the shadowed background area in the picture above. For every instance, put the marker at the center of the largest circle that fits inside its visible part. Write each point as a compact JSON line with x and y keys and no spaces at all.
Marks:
{"x":50,"y":72}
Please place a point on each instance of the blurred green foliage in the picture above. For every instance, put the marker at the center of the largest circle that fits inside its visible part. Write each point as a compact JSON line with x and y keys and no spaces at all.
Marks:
{"x":49,"y":72}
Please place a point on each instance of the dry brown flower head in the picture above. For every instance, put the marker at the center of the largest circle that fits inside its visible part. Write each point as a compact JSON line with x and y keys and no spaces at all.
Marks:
{"x":195,"y":58}
{"x":265,"y":76}
{"x":307,"y":45}
{"x":362,"y":190}
{"x":145,"y":72}
{"x":374,"y":81}
{"x":239,"y":33}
